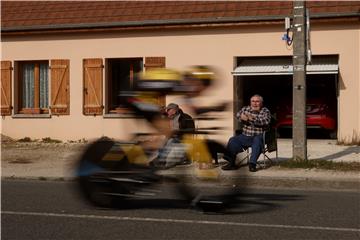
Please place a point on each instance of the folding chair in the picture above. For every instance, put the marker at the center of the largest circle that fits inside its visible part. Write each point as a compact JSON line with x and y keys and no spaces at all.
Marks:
{"x":270,"y":145}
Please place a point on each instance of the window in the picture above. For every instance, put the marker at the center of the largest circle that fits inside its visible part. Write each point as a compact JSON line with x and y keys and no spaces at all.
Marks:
{"x":120,"y":74}
{"x":33,"y":82}
{"x":42,"y":87}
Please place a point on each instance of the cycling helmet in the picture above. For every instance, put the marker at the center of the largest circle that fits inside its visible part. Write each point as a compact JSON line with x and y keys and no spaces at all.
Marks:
{"x":204,"y":73}
{"x":158,"y":79}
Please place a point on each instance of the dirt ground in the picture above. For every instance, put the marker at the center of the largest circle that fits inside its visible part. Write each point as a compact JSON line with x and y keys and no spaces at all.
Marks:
{"x":46,"y":158}
{"x":58,"y":160}
{"x":33,"y":152}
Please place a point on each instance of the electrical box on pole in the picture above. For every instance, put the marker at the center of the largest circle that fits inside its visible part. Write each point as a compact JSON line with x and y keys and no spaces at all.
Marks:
{"x":299,"y":81}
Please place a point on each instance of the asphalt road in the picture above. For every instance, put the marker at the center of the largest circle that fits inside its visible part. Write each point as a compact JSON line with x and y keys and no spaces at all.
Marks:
{"x":53,"y":210}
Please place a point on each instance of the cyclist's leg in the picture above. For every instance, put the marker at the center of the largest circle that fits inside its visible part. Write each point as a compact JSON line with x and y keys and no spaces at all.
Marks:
{"x":215,"y":148}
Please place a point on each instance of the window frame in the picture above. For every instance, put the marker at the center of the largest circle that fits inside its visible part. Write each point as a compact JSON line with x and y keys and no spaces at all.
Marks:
{"x":19,"y":88}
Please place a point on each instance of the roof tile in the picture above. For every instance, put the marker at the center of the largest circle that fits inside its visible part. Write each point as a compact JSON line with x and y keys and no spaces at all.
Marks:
{"x":34,"y":13}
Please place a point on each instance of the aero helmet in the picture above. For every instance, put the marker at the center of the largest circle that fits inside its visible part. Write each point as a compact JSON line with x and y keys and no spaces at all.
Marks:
{"x":158,"y":79}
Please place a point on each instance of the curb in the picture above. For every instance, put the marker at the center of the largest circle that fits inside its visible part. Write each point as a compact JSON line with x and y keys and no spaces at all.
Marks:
{"x":299,"y":183}
{"x":306,"y":183}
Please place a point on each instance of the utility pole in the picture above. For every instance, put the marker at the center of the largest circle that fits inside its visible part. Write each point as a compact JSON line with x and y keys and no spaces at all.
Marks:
{"x":299,"y":82}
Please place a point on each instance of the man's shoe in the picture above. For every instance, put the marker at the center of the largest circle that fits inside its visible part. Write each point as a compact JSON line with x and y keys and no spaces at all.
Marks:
{"x":252,"y":167}
{"x":229,"y":166}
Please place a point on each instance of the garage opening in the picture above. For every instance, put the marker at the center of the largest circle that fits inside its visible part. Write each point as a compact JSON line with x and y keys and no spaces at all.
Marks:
{"x":272,"y":78}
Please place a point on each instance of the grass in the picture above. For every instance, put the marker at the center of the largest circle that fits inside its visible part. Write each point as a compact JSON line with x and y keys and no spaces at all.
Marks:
{"x":25,"y":139}
{"x":354,"y":140}
{"x":44,"y":140}
{"x":50,"y":140}
{"x":321,"y":164}
{"x":83,"y":140}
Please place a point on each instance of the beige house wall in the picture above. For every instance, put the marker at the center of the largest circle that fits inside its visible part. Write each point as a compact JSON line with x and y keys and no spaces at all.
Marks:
{"x":358,"y":72}
{"x":181,"y":48}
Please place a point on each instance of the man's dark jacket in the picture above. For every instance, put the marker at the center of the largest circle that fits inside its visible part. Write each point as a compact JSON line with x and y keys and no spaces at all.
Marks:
{"x":186,"y":123}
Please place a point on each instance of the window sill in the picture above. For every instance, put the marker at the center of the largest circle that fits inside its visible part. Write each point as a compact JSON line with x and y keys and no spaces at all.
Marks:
{"x":31,"y":116}
{"x":119,"y":115}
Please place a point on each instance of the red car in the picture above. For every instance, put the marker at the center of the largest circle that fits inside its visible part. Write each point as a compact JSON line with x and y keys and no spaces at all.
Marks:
{"x":319,"y":114}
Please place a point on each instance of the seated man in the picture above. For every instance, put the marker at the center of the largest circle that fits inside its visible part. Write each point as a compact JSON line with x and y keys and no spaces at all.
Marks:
{"x":255,"y":120}
{"x":173,"y":152}
{"x":179,"y":121}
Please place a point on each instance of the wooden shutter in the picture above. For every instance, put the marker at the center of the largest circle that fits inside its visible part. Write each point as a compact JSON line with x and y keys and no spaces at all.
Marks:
{"x":5,"y":87}
{"x":60,"y":87}
{"x":93,"y":86}
{"x":156,"y":62}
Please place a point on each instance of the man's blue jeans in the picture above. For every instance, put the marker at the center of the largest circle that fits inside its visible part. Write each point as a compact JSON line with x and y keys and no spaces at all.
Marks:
{"x":240,"y":143}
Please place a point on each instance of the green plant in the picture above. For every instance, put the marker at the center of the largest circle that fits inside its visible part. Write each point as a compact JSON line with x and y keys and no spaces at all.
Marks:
{"x":354,"y":140}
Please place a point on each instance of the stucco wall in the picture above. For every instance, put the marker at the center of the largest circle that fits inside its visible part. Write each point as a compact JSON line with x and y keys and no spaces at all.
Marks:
{"x":358,"y":80}
{"x":344,"y":42}
{"x":181,"y":48}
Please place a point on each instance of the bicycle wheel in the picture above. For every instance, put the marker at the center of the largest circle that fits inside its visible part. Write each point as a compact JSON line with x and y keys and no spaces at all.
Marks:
{"x":202,"y":182}
{"x":106,"y":176}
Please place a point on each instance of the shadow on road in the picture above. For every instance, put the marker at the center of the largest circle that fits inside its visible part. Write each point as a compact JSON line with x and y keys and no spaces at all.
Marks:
{"x":249,"y":203}
{"x":237,"y":203}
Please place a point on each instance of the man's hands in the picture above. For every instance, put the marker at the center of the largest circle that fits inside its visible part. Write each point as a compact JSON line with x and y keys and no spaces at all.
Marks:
{"x":246,"y":117}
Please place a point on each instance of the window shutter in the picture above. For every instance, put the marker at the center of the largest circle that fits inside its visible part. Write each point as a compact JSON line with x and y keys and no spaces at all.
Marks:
{"x":60,"y":87}
{"x":156,"y":62}
{"x":93,"y":86}
{"x":5,"y":87}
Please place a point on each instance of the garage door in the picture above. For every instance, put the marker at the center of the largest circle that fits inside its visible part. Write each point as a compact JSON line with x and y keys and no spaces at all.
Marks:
{"x":283,"y":66}
{"x":272,"y":78}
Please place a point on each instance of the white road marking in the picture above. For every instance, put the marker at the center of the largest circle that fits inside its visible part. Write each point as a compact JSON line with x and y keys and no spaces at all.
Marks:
{"x":169,"y":220}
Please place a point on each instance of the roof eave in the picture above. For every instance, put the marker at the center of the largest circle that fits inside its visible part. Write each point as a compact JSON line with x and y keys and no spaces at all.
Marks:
{"x":159,"y":23}
{"x":147,"y":23}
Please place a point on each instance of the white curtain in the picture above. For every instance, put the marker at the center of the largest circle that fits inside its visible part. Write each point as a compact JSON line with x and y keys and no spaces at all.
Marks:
{"x":44,"y":91}
{"x":28,"y":85}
